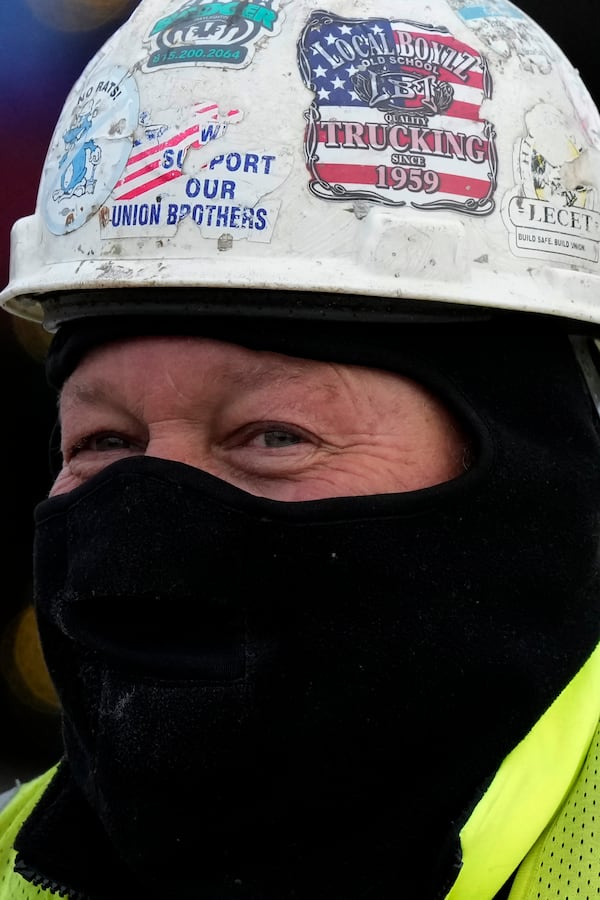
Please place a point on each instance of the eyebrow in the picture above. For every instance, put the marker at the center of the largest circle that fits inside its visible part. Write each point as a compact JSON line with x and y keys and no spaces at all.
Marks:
{"x":91,"y":394}
{"x":100,"y":391}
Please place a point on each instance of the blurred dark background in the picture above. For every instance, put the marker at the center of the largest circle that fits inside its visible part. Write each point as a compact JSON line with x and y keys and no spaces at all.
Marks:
{"x":44,"y":45}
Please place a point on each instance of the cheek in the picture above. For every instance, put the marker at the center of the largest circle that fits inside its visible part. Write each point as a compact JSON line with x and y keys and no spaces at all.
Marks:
{"x":65,"y":482}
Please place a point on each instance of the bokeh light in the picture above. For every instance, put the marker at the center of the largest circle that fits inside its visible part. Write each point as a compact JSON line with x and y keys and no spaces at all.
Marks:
{"x":32,"y":337}
{"x":44,"y":46}
{"x":78,"y":15}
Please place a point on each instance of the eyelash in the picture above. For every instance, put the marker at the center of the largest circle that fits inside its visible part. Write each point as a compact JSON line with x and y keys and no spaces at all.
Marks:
{"x":251,"y":431}
{"x":84,"y":443}
{"x":248,"y":433}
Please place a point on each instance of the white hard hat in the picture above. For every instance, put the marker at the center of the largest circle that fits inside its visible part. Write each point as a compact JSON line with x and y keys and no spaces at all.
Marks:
{"x":396,"y":151}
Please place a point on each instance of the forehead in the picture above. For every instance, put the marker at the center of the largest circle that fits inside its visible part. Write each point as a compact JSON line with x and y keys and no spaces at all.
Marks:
{"x":148,"y":361}
{"x":165,"y":365}
{"x":153,"y":353}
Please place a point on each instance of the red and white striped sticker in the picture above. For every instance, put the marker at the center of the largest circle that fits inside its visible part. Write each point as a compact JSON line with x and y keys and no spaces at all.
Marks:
{"x":159,"y":157}
{"x":396,"y":117}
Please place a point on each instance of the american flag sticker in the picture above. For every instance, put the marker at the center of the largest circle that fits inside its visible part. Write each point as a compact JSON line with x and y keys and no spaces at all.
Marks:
{"x":190,"y":167}
{"x":396,"y":115}
{"x":158,"y":159}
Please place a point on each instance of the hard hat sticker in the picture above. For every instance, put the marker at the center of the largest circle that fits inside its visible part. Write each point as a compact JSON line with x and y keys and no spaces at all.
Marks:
{"x":396,"y":115}
{"x":159,"y":154}
{"x":507,"y":31}
{"x":195,"y":172}
{"x":89,"y":149}
{"x":475,"y":9}
{"x":211,"y":33}
{"x":553,"y":211}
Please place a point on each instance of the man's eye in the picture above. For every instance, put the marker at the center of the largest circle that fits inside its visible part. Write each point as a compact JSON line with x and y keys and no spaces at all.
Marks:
{"x":98,"y":443}
{"x":279,"y":438}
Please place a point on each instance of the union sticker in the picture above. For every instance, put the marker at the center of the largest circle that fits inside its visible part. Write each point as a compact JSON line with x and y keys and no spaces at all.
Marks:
{"x":196,"y":171}
{"x":396,"y":115}
{"x":212,"y":33}
{"x":554,"y":210}
{"x":89,"y":150}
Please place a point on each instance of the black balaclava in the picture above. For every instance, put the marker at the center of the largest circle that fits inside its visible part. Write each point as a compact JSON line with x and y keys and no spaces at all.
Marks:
{"x":269,"y":700}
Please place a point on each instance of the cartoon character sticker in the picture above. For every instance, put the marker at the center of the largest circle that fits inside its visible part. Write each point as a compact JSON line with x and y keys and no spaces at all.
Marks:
{"x":212,"y":33}
{"x":553,"y":211}
{"x":507,"y":31}
{"x":396,"y":115}
{"x":89,"y":150}
{"x":188,"y":166}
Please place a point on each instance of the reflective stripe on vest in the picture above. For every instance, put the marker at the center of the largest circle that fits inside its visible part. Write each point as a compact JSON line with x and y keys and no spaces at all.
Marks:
{"x":529,"y":789}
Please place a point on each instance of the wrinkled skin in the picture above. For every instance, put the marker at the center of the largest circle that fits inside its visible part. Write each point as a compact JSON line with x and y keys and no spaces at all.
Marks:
{"x":276,"y":426}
